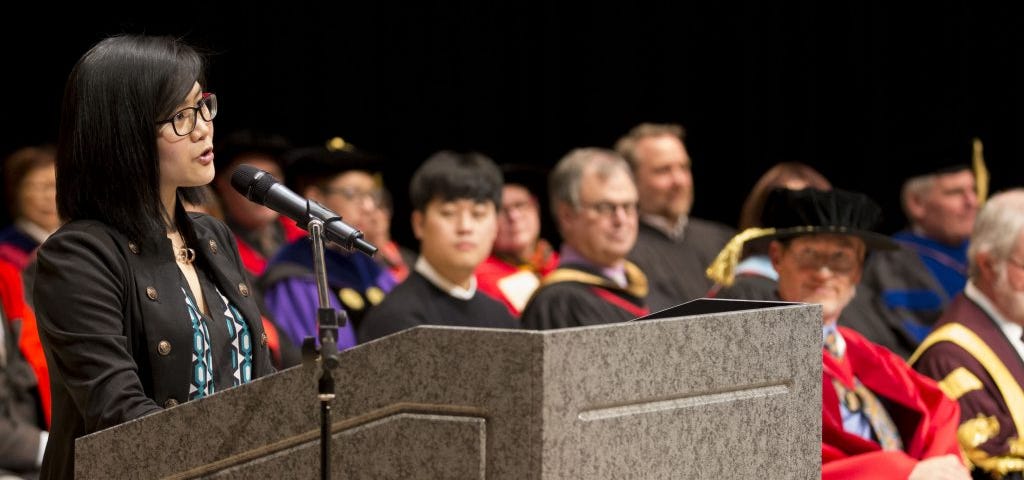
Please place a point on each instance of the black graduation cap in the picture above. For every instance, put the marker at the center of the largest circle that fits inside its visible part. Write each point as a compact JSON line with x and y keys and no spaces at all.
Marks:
{"x":793,"y":213}
{"x":949,"y":154}
{"x":309,"y":165}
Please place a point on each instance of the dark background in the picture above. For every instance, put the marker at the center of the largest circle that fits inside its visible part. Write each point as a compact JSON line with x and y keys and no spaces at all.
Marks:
{"x":859,"y":90}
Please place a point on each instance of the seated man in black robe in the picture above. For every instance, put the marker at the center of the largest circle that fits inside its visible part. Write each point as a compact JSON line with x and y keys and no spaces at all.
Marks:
{"x":455,"y":199}
{"x":594,"y":201}
{"x":672,"y":247}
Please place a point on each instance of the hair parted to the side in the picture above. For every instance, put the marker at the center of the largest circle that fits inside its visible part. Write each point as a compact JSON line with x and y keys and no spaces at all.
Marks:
{"x":107,"y":160}
{"x":996,"y":229}
{"x":626,"y":146}
{"x":449,"y":175}
{"x":564,"y":180}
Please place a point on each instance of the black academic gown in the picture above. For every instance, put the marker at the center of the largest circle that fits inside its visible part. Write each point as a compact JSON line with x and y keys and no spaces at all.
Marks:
{"x":578,"y":295}
{"x":675,"y":267}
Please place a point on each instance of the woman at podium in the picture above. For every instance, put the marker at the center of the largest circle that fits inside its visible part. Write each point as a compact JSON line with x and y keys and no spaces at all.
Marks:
{"x":141,"y":306}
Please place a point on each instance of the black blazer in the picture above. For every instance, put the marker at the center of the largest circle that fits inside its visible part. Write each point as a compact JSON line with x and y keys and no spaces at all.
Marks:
{"x":112,"y":320}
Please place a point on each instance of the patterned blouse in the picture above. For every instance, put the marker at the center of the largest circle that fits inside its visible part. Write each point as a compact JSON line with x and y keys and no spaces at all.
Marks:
{"x":221,"y":344}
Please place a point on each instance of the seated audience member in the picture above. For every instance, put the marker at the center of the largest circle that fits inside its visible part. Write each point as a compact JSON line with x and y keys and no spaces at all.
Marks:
{"x":917,"y":281}
{"x":755,"y":278}
{"x":455,"y":199}
{"x":594,"y":201}
{"x":342,"y":179}
{"x":24,"y":388}
{"x":390,"y":255}
{"x":880,"y":419}
{"x":520,"y":257}
{"x":976,"y":351}
{"x":30,"y":180}
{"x":259,"y":231}
{"x":672,"y":248}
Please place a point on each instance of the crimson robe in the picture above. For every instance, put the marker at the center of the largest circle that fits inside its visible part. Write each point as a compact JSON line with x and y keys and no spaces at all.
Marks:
{"x":926,"y":418}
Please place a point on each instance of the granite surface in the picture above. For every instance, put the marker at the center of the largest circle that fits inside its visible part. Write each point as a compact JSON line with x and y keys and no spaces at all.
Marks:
{"x":729,"y":395}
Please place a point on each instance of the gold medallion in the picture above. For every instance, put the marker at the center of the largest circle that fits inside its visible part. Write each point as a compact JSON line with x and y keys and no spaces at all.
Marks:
{"x":375,"y":295}
{"x":351,"y":299}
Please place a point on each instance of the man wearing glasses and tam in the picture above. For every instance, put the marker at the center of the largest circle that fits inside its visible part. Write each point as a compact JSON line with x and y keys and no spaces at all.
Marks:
{"x":880,"y":419}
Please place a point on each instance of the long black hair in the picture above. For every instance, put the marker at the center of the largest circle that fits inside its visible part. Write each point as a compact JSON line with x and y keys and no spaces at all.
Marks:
{"x":108,"y":166}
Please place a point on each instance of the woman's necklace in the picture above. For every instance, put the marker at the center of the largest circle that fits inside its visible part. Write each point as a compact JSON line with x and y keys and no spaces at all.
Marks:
{"x":185,"y":256}
{"x":182,"y":253}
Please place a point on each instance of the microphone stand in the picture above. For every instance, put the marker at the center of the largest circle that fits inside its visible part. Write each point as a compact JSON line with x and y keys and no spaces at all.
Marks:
{"x":328,"y":321}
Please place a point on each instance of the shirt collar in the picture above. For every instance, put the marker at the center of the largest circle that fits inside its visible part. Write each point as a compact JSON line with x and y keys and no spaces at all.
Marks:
{"x":674,"y":230}
{"x":424,"y":268}
{"x":616,"y":273}
{"x":840,"y":341}
{"x":34,"y":231}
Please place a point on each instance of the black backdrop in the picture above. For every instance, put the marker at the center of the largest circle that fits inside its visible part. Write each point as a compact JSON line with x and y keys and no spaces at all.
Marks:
{"x":854,"y":89}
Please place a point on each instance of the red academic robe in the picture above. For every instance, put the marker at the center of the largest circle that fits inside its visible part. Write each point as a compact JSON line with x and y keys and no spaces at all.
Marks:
{"x":927,"y":419}
{"x":492,"y":272}
{"x":12,"y":296}
{"x":253,"y":260}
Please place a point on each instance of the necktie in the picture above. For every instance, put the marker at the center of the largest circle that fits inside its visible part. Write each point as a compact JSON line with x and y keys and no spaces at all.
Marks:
{"x":861,"y":400}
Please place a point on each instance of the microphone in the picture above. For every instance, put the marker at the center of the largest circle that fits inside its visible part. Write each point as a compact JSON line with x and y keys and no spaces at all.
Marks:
{"x":262,"y":188}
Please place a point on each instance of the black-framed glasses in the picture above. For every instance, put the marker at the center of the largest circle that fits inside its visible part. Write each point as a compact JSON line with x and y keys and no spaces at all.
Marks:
{"x":838,"y":262}
{"x":354,"y":194}
{"x":184,"y":121}
{"x":608,"y":209}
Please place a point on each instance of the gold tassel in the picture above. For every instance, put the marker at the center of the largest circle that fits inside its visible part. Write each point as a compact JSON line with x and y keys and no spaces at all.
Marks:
{"x":337,"y":144}
{"x":722,"y":270}
{"x":980,"y":171}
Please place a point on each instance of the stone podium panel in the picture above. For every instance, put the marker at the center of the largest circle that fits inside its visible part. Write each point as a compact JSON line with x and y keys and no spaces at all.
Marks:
{"x":723,"y":395}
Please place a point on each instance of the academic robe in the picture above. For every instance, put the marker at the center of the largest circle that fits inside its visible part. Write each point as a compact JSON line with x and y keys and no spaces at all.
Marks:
{"x":675,"y":267}
{"x":917,"y":281}
{"x":576,"y":295}
{"x":976,"y":365}
{"x":21,"y":409}
{"x":17,"y":247}
{"x":512,"y":282}
{"x":925,"y":417}
{"x":356,"y":283}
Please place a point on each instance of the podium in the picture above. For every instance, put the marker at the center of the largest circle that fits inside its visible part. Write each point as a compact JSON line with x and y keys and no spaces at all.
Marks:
{"x":719,"y":395}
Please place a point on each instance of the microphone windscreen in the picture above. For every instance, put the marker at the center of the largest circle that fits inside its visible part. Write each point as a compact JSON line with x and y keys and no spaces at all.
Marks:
{"x":252,"y":182}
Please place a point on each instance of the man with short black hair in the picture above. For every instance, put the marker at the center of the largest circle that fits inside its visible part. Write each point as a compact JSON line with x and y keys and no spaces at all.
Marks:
{"x":455,"y":199}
